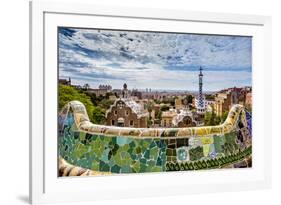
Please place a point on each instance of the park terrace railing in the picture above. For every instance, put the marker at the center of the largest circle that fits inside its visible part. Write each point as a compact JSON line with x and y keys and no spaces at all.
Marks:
{"x":91,"y":149}
{"x":83,"y":124}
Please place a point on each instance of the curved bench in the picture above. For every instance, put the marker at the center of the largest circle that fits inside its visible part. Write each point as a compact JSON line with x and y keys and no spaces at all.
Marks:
{"x":110,"y":149}
{"x":83,"y":124}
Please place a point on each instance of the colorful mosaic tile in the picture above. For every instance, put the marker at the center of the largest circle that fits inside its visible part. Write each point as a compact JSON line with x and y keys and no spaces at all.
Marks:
{"x":89,"y":146}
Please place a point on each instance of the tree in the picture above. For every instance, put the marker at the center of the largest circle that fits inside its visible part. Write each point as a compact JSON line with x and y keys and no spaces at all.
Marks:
{"x":149,"y":106}
{"x":164,"y":108}
{"x":86,"y":86}
{"x":69,"y":93}
{"x":224,"y":116}
{"x":98,"y":115}
{"x":210,"y":118}
{"x":189,"y":98}
{"x":159,"y":115}
{"x":207,"y":118}
{"x":169,"y":100}
{"x":105,"y":104}
{"x":209,"y":97}
{"x":108,"y":94}
{"x":93,"y":98}
{"x":217,"y":120}
{"x":157,"y":101}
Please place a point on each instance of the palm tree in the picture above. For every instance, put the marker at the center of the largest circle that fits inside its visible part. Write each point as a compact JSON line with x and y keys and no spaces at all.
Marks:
{"x":86,"y":86}
{"x":150,"y":106}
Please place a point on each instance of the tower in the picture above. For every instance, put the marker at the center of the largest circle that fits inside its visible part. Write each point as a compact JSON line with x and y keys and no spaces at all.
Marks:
{"x":125,"y":91}
{"x":200,"y":101}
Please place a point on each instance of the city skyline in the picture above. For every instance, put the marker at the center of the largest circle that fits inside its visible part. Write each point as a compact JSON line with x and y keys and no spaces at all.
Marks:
{"x":160,"y":61}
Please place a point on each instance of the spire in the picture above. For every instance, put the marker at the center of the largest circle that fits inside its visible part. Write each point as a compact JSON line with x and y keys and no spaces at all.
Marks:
{"x":200,"y":100}
{"x":200,"y":69}
{"x":125,"y":91}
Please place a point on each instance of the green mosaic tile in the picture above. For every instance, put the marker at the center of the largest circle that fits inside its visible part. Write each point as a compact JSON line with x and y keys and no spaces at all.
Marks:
{"x":128,"y":155}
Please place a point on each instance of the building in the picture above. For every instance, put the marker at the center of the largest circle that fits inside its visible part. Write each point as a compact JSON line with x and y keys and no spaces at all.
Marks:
{"x":174,"y":118}
{"x":117,"y":92}
{"x":222,"y":103}
{"x":102,"y":90}
{"x":65,"y":81}
{"x":184,"y":119}
{"x":106,"y":87}
{"x":112,"y":97}
{"x":125,"y":92}
{"x":125,"y":112}
{"x":225,"y":99}
{"x":167,"y":118}
{"x":179,"y":103}
{"x":136,"y":93}
{"x":248,"y":100}
{"x":207,"y":103}
{"x":97,"y":91}
{"x":156,"y":108}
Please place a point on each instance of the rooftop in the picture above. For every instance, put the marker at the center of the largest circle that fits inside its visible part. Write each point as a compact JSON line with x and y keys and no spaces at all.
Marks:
{"x":129,"y":102}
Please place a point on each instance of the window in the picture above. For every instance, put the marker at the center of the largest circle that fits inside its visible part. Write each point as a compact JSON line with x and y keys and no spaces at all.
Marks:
{"x":127,"y":112}
{"x":115,"y":112}
{"x":112,"y":122}
{"x":131,"y":122}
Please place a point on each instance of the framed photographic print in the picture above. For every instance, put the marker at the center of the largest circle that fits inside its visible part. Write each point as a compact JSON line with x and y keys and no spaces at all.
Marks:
{"x":128,"y":102}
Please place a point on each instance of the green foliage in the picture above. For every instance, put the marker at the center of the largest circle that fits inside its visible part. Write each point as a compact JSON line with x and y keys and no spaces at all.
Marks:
{"x":169,"y":100}
{"x":209,"y":97}
{"x":101,"y":101}
{"x":149,"y":106}
{"x":224,"y":116}
{"x":149,"y":122}
{"x":102,"y":104}
{"x":93,"y":98}
{"x":159,"y":115}
{"x":164,"y":108}
{"x":189,"y":99}
{"x":105,"y":103}
{"x":156,"y":101}
{"x":86,"y":86}
{"x":99,"y":115}
{"x":69,"y":93}
{"x":212,"y":119}
{"x":217,"y":120}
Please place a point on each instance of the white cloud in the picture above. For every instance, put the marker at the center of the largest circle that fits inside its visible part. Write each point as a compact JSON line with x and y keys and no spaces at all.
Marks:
{"x":156,"y":60}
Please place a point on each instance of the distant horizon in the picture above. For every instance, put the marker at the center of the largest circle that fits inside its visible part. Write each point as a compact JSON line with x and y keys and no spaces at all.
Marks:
{"x":161,"y":61}
{"x":153,"y":89}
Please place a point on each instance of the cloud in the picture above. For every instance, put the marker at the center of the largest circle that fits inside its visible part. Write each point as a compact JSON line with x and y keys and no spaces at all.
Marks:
{"x":151,"y":59}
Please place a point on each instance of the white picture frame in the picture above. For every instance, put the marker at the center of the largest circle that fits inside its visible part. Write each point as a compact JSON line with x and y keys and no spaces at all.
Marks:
{"x":46,"y":187}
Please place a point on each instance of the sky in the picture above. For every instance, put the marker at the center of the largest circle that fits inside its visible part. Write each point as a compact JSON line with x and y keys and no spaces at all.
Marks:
{"x":160,"y":61}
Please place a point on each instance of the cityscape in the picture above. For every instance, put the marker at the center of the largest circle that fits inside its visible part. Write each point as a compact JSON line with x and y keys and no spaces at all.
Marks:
{"x":126,"y":107}
{"x":215,"y":114}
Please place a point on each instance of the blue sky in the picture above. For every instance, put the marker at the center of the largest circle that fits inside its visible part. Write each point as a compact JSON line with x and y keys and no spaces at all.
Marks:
{"x":154,"y":60}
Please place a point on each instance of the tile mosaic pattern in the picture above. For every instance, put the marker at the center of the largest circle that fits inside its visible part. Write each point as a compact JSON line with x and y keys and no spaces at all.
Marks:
{"x":112,"y":154}
{"x":66,"y":170}
{"x":106,"y":149}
